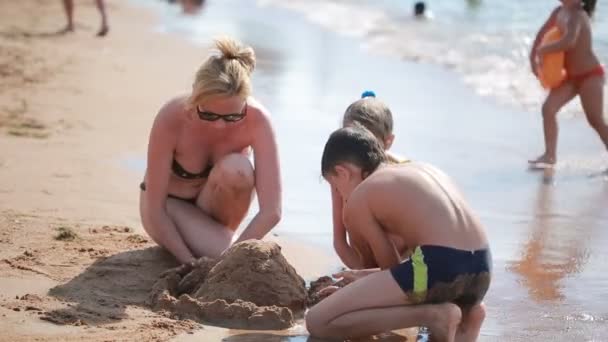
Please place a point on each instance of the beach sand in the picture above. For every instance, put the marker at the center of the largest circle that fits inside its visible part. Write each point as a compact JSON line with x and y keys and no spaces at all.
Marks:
{"x":75,"y":113}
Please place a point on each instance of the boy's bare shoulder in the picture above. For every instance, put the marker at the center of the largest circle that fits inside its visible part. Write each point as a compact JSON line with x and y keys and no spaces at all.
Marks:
{"x":382,"y":182}
{"x":401,"y":178}
{"x":359,"y":197}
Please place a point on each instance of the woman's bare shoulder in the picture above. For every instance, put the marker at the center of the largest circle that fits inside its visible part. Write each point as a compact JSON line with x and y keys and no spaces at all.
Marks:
{"x":256,"y":108}
{"x":172,"y":112}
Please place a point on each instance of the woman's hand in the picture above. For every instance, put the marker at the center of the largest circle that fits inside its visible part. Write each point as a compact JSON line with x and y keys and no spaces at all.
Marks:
{"x":327,"y":291}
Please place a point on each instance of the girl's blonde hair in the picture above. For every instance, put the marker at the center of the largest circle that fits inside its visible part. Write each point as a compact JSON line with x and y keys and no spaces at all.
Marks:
{"x":372,"y":114}
{"x":225,"y":74}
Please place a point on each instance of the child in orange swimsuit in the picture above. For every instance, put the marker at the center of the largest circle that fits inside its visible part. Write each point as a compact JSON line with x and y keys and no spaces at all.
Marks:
{"x":585,"y":74}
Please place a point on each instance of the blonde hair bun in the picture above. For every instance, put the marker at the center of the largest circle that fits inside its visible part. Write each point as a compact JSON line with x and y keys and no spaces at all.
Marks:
{"x":231,"y":49}
{"x":227,"y":73}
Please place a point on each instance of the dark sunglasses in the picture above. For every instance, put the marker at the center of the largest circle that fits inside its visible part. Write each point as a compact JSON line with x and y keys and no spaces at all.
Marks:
{"x":210,"y":116}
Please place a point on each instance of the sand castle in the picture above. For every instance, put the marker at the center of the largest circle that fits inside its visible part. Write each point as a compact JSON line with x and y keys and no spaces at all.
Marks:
{"x":251,"y":286}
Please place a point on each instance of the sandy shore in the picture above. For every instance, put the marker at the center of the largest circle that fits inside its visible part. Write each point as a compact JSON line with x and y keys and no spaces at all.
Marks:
{"x":71,"y":106}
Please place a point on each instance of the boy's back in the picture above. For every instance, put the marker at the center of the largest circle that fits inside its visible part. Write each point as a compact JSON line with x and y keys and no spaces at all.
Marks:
{"x":420,"y":204}
{"x":451,"y":260}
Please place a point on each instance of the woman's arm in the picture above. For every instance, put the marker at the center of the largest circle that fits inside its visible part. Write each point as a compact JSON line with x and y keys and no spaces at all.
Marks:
{"x":267,"y":180}
{"x":549,"y":23}
{"x":160,"y":156}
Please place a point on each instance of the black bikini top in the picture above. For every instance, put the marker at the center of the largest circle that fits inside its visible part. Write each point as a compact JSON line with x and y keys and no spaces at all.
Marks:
{"x":181,"y":172}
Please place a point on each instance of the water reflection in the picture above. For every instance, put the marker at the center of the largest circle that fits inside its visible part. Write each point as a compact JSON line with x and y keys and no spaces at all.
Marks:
{"x":557,"y":246}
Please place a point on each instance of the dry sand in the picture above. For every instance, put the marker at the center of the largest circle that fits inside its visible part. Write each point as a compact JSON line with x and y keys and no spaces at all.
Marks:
{"x":74,"y":262}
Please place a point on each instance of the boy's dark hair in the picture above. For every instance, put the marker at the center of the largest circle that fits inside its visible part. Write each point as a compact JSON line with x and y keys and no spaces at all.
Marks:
{"x":419,"y":8}
{"x":589,"y":6}
{"x":355,"y":145}
{"x":373,"y":114}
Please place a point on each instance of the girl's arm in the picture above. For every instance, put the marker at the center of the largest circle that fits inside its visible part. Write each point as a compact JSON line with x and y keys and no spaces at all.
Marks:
{"x":549,"y":23}
{"x":567,"y":41}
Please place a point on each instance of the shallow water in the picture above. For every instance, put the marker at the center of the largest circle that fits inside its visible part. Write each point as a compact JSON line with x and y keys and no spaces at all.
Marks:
{"x":486,"y":41}
{"x":548,"y":230}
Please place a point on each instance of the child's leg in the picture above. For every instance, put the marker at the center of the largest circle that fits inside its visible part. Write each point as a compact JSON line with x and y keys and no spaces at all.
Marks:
{"x":101,"y":6}
{"x":470,"y":326}
{"x":376,"y":304}
{"x":68,"y":6}
{"x":555,"y":101}
{"x":591,"y":93}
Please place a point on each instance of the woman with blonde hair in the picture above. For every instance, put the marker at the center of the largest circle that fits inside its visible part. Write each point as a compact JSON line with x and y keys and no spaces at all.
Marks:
{"x":199,"y":180}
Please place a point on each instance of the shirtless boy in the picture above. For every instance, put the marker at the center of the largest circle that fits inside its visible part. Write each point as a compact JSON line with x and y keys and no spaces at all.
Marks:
{"x":444,"y":282}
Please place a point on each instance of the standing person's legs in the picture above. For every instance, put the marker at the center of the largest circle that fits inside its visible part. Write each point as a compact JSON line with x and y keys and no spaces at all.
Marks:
{"x":68,"y":6}
{"x":591,"y":93}
{"x":101,"y":6}
{"x":557,"y":98}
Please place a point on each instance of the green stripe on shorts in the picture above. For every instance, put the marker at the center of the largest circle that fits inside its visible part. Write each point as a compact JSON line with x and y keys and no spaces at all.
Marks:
{"x":421,"y":274}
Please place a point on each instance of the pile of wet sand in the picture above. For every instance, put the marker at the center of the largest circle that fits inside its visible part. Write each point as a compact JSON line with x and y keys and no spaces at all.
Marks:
{"x":251,"y":286}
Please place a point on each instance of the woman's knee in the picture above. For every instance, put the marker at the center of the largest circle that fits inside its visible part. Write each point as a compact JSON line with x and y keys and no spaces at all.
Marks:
{"x":234,"y":170}
{"x":221,"y":242}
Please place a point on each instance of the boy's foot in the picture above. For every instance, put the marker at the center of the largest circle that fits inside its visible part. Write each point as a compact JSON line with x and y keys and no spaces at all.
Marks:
{"x":103,"y":31}
{"x":445,"y":324}
{"x":544,"y":159}
{"x":469,"y":328}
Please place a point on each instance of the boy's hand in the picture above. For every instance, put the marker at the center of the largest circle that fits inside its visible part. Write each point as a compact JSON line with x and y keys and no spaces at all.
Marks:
{"x":349,"y":276}
{"x":326,"y":291}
